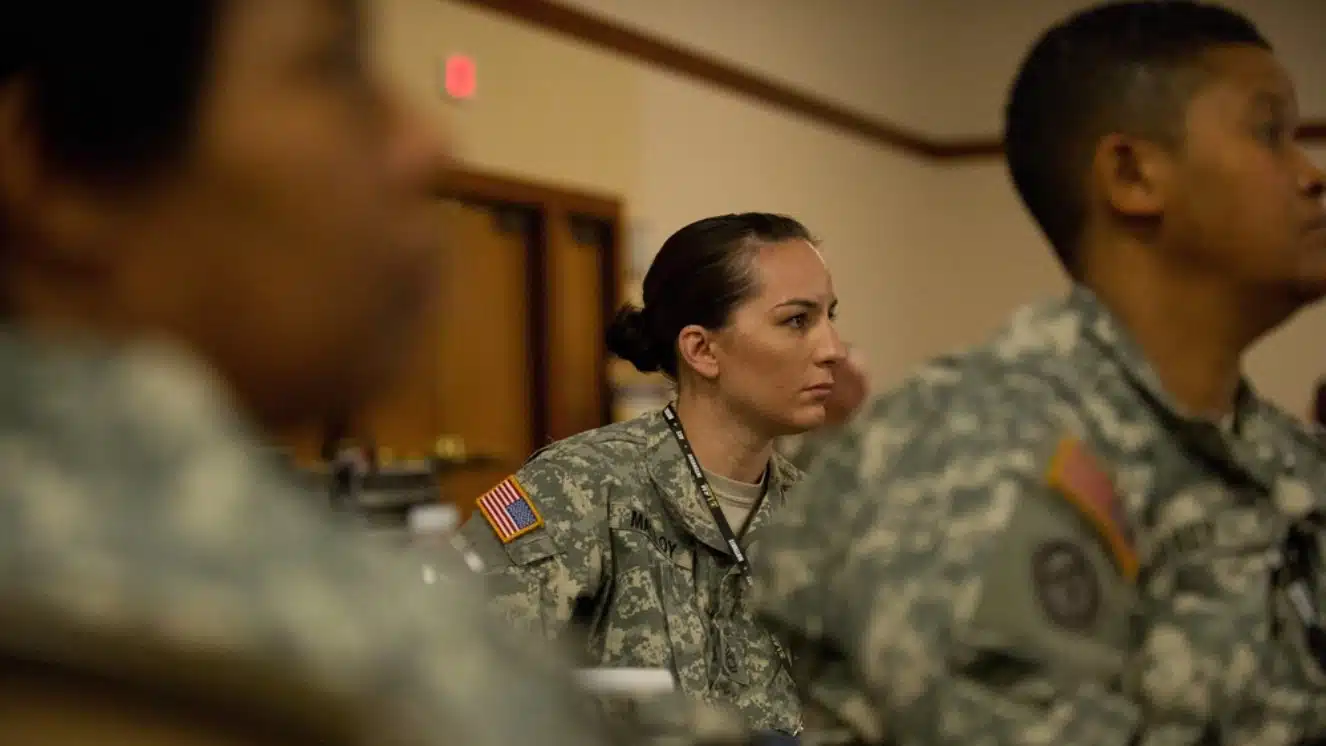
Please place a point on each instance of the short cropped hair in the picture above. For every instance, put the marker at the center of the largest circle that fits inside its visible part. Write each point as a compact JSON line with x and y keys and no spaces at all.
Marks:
{"x":1129,"y":67}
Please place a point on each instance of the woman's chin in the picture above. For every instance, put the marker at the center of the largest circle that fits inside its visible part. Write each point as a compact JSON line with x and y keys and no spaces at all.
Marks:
{"x":805,"y":418}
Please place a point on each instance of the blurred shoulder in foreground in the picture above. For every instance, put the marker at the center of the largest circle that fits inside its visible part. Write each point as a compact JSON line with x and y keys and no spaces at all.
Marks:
{"x":144,"y":542}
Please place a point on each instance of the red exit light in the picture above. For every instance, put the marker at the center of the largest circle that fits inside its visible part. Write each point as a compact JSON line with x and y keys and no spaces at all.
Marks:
{"x":460,"y":81}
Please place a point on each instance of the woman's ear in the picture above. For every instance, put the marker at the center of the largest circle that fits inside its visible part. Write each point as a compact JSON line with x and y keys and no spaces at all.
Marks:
{"x":695,"y":350}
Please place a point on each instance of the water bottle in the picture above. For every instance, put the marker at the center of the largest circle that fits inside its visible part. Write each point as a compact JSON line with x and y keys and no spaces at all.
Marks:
{"x":430,"y":527}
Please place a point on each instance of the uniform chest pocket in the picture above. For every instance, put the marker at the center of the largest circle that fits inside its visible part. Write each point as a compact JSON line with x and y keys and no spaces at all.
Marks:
{"x":652,"y":619}
{"x":746,"y":667}
{"x":742,"y":653}
{"x":731,"y":642}
{"x":1228,"y":560}
{"x":640,"y":539}
{"x":727,"y":654}
{"x":1209,"y":584}
{"x":1216,"y":576}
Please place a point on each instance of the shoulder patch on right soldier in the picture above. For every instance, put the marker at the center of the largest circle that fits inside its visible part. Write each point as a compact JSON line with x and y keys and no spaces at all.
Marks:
{"x":1075,"y":474}
{"x":508,"y":509}
{"x":1065,"y":584}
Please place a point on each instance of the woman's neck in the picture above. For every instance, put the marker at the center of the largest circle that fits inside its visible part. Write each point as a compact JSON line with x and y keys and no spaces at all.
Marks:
{"x":722,"y":443}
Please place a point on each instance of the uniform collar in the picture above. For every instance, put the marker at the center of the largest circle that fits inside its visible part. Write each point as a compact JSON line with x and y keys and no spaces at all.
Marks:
{"x":676,"y":486}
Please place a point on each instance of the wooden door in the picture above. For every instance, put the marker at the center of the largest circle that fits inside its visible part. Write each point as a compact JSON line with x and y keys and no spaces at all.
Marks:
{"x":580,"y":277}
{"x":513,"y":354}
{"x":471,"y":377}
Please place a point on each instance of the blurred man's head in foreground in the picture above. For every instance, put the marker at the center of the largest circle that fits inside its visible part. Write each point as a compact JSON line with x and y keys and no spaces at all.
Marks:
{"x":231,"y":175}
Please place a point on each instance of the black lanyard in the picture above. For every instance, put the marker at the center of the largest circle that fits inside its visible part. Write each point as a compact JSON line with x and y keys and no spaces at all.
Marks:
{"x":710,"y":499}
{"x":1300,"y":568}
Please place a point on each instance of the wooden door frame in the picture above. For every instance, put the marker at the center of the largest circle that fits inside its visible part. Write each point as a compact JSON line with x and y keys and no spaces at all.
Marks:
{"x":552,"y":204}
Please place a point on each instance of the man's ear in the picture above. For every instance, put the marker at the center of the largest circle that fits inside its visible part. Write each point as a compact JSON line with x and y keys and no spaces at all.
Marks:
{"x":1133,"y":175}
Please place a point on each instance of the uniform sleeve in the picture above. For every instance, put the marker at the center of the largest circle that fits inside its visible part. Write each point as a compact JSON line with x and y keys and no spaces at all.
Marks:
{"x":934,"y":590}
{"x":540,"y":578}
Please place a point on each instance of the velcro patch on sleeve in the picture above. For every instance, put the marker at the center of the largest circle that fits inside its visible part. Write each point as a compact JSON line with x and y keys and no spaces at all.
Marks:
{"x":1075,"y":474}
{"x":508,"y":509}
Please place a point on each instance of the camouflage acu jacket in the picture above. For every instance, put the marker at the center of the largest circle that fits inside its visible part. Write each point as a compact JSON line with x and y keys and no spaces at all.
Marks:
{"x":1031,"y":543}
{"x":626,"y":538}
{"x":135,"y":503}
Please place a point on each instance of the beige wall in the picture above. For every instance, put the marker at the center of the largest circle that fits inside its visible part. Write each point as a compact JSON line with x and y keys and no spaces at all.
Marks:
{"x":925,"y":257}
{"x":552,"y":110}
{"x":937,"y":66}
{"x":545,"y":108}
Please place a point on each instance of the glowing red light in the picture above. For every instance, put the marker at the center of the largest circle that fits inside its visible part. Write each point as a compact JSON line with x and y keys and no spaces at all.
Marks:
{"x":460,"y":76}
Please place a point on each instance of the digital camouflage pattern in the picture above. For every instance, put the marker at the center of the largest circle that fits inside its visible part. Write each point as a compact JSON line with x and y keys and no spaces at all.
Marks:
{"x":942,"y":582}
{"x":802,"y":450}
{"x":138,"y":505}
{"x":630,"y":548}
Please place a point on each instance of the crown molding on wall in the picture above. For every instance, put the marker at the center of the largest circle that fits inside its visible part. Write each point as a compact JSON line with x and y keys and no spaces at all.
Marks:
{"x":660,"y":53}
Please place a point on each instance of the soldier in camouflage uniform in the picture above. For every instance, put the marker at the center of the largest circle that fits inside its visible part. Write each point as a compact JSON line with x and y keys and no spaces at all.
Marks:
{"x":611,"y":530}
{"x":1091,"y":529}
{"x":240,"y":242}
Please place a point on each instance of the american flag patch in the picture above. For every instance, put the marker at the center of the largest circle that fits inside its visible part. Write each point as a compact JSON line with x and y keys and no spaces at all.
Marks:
{"x":1075,"y":474}
{"x":509,"y":510}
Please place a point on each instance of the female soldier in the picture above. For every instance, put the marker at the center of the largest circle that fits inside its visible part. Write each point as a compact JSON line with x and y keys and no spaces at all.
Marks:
{"x":640,"y":530}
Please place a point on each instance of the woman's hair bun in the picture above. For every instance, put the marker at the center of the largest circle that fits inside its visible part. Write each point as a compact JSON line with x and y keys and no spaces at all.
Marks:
{"x":629,"y":338}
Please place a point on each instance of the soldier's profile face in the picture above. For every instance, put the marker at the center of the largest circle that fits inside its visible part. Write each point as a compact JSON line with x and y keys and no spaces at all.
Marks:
{"x":307,"y":214}
{"x":294,"y":243}
{"x":778,"y":353}
{"x":1245,"y":199}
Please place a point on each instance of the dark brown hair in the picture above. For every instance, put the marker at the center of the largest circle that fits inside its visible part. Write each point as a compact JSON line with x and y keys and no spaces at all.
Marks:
{"x":1128,"y":67}
{"x":701,"y":273}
